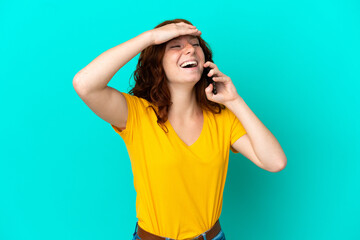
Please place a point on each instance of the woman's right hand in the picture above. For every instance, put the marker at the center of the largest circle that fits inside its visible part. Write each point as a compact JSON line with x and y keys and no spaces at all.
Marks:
{"x":172,"y":30}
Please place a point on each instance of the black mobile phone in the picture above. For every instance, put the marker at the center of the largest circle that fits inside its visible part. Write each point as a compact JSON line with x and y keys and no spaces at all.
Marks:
{"x":209,"y":79}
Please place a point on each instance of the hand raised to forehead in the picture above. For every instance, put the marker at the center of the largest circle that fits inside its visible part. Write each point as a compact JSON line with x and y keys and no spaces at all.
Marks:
{"x":173,"y":30}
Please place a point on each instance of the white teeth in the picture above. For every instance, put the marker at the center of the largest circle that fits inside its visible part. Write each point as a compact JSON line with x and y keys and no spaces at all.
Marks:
{"x":188,"y":63}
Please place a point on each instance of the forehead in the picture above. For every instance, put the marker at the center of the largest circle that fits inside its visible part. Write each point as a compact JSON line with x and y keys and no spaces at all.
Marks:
{"x":189,"y":37}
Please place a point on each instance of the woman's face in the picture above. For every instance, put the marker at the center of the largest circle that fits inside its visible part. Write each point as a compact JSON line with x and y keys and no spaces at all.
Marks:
{"x":178,"y":51}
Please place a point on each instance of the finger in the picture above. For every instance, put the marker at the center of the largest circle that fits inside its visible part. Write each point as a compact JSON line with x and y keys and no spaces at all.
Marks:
{"x":219,"y":79}
{"x":210,"y":64}
{"x":194,"y":31}
{"x":211,"y":72}
{"x":216,"y":72}
{"x":197,"y":31}
{"x":209,"y":89}
{"x":190,"y":27}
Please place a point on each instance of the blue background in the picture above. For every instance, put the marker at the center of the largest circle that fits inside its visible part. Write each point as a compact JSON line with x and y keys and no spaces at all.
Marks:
{"x":66,"y":175}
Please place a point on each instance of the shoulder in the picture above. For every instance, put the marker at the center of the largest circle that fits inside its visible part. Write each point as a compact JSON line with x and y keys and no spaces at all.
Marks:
{"x":224,"y":114}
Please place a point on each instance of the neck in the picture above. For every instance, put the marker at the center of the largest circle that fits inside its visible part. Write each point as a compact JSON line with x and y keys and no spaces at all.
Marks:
{"x":184,"y":105}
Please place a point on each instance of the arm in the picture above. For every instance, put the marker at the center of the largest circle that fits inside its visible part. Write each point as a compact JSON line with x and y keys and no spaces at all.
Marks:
{"x":98,"y":73}
{"x":91,"y":82}
{"x":265,"y":150}
{"x":259,"y":145}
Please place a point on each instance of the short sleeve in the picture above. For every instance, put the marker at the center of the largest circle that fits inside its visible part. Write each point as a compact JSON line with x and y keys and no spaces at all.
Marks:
{"x":134,"y":105}
{"x":237,"y":130}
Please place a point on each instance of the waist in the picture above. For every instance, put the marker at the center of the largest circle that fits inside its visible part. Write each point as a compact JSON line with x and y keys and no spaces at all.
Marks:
{"x":208,"y":235}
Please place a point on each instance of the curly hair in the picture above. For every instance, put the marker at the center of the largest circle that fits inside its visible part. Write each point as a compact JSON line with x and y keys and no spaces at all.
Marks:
{"x":151,"y":84}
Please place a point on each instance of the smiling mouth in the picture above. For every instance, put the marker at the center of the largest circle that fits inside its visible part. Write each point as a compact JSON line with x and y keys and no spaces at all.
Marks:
{"x":190,"y":67}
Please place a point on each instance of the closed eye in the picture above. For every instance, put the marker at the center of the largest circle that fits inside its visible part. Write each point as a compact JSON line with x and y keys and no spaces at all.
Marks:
{"x":179,"y":46}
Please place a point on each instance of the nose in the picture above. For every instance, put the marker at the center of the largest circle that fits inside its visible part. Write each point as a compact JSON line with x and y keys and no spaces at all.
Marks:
{"x":189,"y":48}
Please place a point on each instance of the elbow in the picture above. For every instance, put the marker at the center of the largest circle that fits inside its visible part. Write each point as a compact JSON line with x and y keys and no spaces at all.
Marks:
{"x":76,"y":80}
{"x":281,"y":164}
{"x":79,"y":88}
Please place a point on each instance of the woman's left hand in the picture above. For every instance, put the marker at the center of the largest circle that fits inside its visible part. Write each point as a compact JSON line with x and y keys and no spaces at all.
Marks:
{"x":226,"y":91}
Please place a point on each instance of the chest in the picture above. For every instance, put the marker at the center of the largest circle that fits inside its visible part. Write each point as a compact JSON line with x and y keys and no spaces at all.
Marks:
{"x":188,"y":132}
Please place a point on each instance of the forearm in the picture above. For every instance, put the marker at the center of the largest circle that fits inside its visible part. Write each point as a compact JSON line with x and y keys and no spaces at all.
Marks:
{"x":98,"y":73}
{"x":265,"y":145}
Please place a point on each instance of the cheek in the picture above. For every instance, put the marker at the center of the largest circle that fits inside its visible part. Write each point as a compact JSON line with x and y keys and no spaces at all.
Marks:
{"x":201,"y":53}
{"x":170,"y":67}
{"x":170,"y":59}
{"x":167,"y":62}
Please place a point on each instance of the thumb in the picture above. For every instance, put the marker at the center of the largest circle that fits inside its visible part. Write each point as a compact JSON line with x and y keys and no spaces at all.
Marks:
{"x":208,"y":90}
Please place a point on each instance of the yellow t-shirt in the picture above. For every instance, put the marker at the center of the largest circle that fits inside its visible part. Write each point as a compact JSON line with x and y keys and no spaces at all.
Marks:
{"x":179,"y":187}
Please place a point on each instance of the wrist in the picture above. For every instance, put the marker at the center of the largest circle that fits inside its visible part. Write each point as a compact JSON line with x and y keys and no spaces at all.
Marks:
{"x":149,"y":36}
{"x":231,"y":104}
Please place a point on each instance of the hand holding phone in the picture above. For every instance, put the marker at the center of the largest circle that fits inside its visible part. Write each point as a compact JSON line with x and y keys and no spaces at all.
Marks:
{"x":209,"y":79}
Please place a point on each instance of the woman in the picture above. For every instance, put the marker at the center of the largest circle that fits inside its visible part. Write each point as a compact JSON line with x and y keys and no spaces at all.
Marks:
{"x":177,"y":129}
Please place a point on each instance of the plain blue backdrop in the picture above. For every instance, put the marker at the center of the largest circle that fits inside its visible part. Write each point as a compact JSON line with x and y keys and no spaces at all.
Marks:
{"x":66,"y":175}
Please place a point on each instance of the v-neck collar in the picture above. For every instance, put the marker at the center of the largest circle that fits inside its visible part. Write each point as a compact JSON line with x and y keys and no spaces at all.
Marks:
{"x":197,"y":140}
